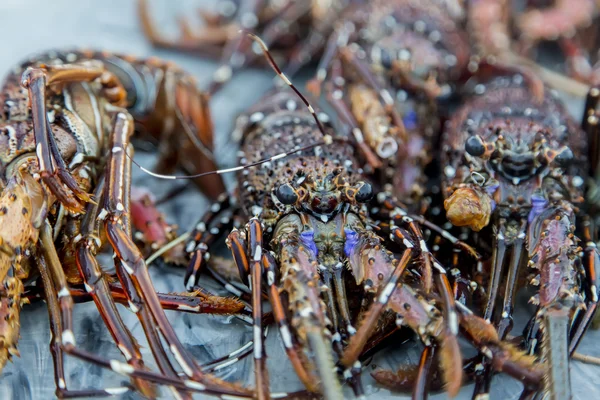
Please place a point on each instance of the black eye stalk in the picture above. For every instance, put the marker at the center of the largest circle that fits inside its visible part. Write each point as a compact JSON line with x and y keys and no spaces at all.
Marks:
{"x":286,"y":194}
{"x":475,"y":146}
{"x":364,"y":193}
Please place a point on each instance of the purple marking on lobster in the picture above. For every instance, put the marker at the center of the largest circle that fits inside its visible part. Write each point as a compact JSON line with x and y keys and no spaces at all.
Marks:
{"x":308,"y":238}
{"x":491,"y":190}
{"x":351,"y":241}
{"x":538,"y":204}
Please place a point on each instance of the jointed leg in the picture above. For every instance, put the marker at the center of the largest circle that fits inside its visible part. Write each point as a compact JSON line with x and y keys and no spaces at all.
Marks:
{"x":591,"y":263}
{"x":196,"y":302}
{"x":203,"y":236}
{"x":116,"y":202}
{"x":98,"y":288}
{"x":56,"y":349}
{"x":52,"y":167}
{"x":255,"y":249}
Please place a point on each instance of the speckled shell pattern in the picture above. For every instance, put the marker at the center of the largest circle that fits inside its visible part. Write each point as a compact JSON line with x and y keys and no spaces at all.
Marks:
{"x":75,"y":112}
{"x":278,"y":124}
{"x":385,"y":30}
{"x":425,"y":20}
{"x":508,"y":102}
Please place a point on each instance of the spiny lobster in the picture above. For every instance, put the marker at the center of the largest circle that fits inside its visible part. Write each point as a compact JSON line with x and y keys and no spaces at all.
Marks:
{"x":309,"y":236}
{"x":66,"y":122}
{"x":515,"y":161}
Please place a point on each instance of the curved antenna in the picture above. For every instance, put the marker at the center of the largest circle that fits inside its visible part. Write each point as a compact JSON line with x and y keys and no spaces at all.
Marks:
{"x":327,"y":139}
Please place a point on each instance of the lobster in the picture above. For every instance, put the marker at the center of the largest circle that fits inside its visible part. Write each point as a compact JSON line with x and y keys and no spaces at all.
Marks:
{"x":308,"y":236}
{"x":516,"y":162}
{"x":297,"y":31}
{"x":66,"y":123}
{"x":384,"y":68}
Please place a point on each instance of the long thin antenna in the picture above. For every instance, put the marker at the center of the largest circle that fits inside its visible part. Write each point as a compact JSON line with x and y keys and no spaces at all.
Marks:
{"x":327,"y":139}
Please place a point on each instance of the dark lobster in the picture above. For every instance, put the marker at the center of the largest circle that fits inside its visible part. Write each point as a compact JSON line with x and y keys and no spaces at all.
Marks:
{"x":517,"y":162}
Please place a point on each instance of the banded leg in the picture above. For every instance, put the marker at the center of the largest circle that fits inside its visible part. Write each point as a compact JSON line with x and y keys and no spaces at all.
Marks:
{"x":255,"y":250}
{"x":98,"y":288}
{"x":591,"y":263}
{"x":116,"y":203}
{"x":248,"y":258}
{"x":56,"y":348}
{"x":203,"y":236}
{"x":53,"y":170}
{"x":399,"y":211}
{"x":197,"y":302}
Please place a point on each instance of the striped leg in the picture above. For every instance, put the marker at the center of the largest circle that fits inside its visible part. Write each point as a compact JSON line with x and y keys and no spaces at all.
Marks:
{"x":130,"y":260}
{"x":56,"y":342}
{"x":249,"y":260}
{"x":96,"y":285}
{"x":203,"y":236}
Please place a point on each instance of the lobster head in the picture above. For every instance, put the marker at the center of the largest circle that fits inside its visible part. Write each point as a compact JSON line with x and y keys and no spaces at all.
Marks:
{"x":509,"y":153}
{"x":323,"y":193}
{"x":516,"y":153}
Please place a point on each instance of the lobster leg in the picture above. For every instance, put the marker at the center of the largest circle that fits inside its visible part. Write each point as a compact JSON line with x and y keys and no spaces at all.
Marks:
{"x":116,"y":199}
{"x":98,"y":288}
{"x":196,"y":302}
{"x":421,"y":383}
{"x":591,"y":263}
{"x":55,"y":342}
{"x":52,"y":167}
{"x":63,"y":340}
{"x":255,"y":250}
{"x":505,"y":324}
{"x":484,"y":375}
{"x":241,"y":251}
{"x":589,"y":124}
{"x":202,"y":237}
{"x":498,"y":257}
{"x":398,"y":212}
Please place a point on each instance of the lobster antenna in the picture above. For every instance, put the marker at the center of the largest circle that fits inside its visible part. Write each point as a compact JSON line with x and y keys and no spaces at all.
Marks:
{"x":327,"y":139}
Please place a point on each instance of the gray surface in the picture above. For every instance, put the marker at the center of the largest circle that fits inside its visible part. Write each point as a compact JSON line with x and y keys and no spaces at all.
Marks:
{"x":34,"y":25}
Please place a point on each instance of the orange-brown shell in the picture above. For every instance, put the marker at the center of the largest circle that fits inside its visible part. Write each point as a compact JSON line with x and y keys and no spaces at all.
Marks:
{"x":469,"y":206}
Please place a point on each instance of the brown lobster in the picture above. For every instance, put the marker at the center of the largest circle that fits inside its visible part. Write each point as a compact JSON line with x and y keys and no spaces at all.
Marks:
{"x":517,"y":163}
{"x":66,"y":122}
{"x":308,"y":237}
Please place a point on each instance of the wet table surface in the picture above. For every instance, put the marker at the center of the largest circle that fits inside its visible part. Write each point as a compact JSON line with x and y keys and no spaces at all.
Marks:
{"x":37,"y":25}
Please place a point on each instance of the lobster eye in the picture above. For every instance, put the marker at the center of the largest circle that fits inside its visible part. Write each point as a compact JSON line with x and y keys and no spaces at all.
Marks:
{"x":475,"y":146}
{"x":364,"y":193}
{"x":564,"y":158}
{"x":286,"y":194}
